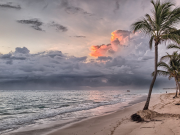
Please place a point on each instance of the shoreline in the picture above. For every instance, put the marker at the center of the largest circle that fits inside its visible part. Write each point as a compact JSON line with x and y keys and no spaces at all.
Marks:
{"x":70,"y":129}
{"x":48,"y":130}
{"x":136,"y":101}
{"x":119,"y":123}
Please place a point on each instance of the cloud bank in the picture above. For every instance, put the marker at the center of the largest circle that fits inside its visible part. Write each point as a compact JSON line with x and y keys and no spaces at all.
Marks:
{"x":131,"y":67}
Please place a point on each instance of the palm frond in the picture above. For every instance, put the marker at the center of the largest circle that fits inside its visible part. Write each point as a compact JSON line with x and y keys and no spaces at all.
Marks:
{"x":141,"y":25}
{"x":163,"y":65}
{"x":173,"y":46}
{"x":161,"y":72}
{"x":151,"y":42}
{"x":165,"y":57}
{"x":171,"y":37}
{"x":151,"y":21}
{"x":173,"y":18}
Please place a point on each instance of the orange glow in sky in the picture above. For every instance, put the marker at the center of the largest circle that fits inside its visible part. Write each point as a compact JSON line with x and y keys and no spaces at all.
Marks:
{"x":95,"y":51}
{"x":122,"y":39}
{"x":117,"y":39}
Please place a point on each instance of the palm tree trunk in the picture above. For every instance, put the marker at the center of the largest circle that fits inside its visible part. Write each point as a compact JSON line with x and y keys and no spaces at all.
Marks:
{"x":178,"y":85}
{"x":176,"y":94}
{"x":176,"y":88}
{"x":179,"y":89}
{"x":154,"y":78}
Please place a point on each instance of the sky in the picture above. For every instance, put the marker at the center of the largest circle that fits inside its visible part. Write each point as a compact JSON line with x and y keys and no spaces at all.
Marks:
{"x":75,"y":44}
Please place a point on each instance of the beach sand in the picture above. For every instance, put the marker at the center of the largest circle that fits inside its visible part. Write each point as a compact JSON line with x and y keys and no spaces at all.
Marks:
{"x":119,"y":123}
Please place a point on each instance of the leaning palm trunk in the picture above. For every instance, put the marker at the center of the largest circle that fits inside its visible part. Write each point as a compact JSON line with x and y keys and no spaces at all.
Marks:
{"x":153,"y":80}
{"x":176,"y":89}
{"x":176,"y":93}
{"x":178,"y":86}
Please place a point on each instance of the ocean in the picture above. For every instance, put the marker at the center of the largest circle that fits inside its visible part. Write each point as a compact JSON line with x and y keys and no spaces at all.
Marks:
{"x":20,"y":109}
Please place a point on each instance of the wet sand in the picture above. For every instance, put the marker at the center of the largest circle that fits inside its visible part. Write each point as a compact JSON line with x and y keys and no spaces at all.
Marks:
{"x":119,"y":123}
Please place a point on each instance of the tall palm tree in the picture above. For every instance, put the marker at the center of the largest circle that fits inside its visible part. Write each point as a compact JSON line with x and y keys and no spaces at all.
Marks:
{"x":161,"y":27}
{"x":172,"y":69}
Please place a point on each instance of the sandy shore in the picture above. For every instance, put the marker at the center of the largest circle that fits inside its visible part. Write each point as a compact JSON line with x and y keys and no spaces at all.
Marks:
{"x":119,"y":123}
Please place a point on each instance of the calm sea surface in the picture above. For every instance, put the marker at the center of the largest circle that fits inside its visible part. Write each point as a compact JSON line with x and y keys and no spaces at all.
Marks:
{"x":22,"y":108}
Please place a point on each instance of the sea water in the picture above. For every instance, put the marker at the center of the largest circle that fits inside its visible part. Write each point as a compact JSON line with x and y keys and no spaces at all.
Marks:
{"x":22,"y":108}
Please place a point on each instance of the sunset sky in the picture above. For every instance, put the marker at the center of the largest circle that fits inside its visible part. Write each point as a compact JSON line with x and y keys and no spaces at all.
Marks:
{"x":75,"y":44}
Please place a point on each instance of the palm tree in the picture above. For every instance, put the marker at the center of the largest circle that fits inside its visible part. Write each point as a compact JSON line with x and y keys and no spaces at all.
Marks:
{"x":161,"y":27}
{"x":175,"y":46}
{"x":171,"y":70}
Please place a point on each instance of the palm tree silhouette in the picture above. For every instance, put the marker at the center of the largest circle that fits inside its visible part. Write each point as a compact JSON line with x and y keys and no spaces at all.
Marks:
{"x":172,"y":69}
{"x":161,"y":27}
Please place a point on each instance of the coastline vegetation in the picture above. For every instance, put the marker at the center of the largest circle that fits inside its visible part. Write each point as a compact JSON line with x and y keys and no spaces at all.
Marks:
{"x":161,"y":26}
{"x":171,"y":69}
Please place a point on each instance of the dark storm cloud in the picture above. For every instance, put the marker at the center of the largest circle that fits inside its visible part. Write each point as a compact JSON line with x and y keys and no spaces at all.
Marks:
{"x":58,"y":27}
{"x":10,"y":62}
{"x":30,"y":69}
{"x":131,"y":67}
{"x":19,"y":54}
{"x":55,"y":70}
{"x":6,"y":56}
{"x":10,"y":57}
{"x":116,"y":62}
{"x":10,"y":5}
{"x":79,"y":82}
{"x":104,"y":58}
{"x":35,"y":23}
{"x":94,"y":81}
{"x":53,"y":54}
{"x":79,"y":59}
{"x":23,"y":50}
